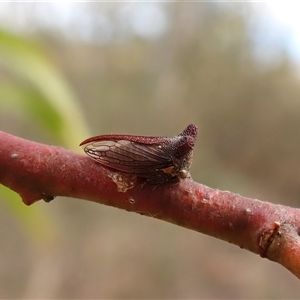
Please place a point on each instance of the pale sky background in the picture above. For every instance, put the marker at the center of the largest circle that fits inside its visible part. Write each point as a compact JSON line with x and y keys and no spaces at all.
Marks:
{"x":276,"y":25}
{"x":286,"y":17}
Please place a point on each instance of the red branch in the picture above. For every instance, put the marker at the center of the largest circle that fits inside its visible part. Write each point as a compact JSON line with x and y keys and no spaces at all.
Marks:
{"x":36,"y":171}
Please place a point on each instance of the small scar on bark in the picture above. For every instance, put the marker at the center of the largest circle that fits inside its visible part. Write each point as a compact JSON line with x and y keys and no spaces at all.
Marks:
{"x":267,"y":238}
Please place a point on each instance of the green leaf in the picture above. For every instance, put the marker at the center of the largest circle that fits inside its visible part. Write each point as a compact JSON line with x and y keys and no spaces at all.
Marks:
{"x":33,"y":219}
{"x":37,"y":89}
{"x":48,"y":98}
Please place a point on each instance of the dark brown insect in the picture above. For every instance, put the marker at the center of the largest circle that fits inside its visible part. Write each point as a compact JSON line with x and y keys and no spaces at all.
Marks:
{"x":156,"y":159}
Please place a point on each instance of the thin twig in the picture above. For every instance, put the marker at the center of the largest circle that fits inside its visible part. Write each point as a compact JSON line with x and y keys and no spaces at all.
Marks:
{"x":37,"y":171}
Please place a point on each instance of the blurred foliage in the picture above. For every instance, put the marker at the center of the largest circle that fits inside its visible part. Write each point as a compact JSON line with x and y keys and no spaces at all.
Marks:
{"x":38,"y":225}
{"x":31,"y":86}
{"x":201,"y":69}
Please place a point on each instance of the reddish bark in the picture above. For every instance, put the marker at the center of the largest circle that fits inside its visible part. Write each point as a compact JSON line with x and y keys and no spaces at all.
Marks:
{"x":36,"y":171}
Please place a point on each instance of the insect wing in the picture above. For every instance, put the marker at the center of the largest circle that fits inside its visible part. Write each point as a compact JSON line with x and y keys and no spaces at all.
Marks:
{"x":129,"y":156}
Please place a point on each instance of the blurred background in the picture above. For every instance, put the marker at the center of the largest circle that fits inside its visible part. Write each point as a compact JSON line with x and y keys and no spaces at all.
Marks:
{"x":72,"y":70}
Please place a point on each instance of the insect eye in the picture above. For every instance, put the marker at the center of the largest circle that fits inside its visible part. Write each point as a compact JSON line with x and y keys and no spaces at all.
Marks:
{"x":183,"y":173}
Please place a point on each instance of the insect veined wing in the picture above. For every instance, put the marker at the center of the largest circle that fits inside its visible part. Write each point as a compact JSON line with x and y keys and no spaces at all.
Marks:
{"x":129,"y":156}
{"x":157,"y":159}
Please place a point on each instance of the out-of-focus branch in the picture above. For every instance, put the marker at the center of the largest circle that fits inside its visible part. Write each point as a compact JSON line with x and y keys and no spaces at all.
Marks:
{"x":36,"y":171}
